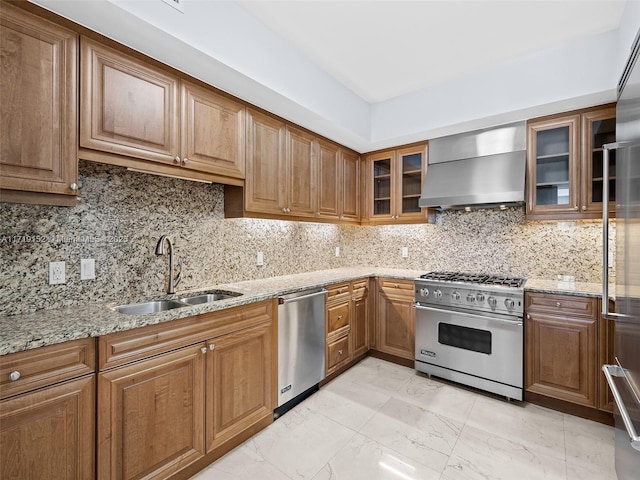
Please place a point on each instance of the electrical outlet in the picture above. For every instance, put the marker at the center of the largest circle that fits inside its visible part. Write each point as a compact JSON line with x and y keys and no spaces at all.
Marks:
{"x":405,"y":252}
{"x":87,"y":269}
{"x":56,"y":273}
{"x":337,"y":251}
{"x":259,"y":259}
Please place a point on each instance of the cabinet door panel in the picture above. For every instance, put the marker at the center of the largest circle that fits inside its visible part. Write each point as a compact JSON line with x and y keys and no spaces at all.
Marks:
{"x":396,"y":325}
{"x":338,"y":354}
{"x":212,"y":132}
{"x":239,"y":383}
{"x":338,"y":317}
{"x":561,"y":358}
{"x":127,"y":107}
{"x":360,"y":326}
{"x":329,"y":179}
{"x":38,"y":89}
{"x":265,"y":188}
{"x":350,"y":187}
{"x":301,"y":172}
{"x":49,"y":433}
{"x":151,"y":416}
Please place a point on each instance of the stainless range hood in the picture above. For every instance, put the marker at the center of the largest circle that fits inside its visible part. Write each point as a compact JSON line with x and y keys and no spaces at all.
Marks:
{"x":479,"y":169}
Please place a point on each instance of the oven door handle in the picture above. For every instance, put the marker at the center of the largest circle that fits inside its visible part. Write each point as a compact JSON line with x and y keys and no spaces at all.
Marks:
{"x":517,"y":323}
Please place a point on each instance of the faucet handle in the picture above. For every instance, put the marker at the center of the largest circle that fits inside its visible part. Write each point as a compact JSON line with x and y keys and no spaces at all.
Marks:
{"x":178,"y":277}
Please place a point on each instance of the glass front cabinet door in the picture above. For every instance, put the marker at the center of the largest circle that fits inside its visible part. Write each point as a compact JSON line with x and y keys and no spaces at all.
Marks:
{"x":564,"y":164}
{"x":394,"y":185}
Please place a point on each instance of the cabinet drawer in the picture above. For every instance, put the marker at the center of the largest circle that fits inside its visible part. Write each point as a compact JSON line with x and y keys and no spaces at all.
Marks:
{"x":338,"y":317}
{"x":125,"y":347}
{"x":46,"y":365}
{"x":337,"y":353}
{"x":360,"y":288}
{"x":399,"y":287}
{"x":565,"y":305}
{"x":338,"y":292}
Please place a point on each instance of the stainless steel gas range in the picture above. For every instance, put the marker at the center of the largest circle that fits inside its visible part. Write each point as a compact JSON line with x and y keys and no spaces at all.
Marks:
{"x":469,"y":329}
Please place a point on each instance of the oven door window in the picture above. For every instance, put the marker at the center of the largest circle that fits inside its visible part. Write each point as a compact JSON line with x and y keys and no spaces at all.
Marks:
{"x":467,"y":338}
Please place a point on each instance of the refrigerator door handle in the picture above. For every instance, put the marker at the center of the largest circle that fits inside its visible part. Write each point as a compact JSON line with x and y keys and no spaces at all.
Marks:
{"x":611,"y":371}
{"x":606,"y":148}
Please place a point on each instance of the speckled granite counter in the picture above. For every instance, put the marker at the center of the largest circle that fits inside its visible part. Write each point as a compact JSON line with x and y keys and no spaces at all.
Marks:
{"x":574,"y":288}
{"x":48,"y":327}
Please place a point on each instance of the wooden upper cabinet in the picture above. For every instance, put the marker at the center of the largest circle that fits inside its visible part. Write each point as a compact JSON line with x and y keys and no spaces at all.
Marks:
{"x":564,"y":164}
{"x":329,"y":179}
{"x":213,"y":132}
{"x":301,"y":172}
{"x":136,"y":114}
{"x":127,"y":107}
{"x":265,"y":186}
{"x":349,"y":208}
{"x":394,"y":183}
{"x":38,"y":91}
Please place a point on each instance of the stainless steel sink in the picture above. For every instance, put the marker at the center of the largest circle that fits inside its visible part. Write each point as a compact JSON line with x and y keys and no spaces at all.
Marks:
{"x":154,"y":306}
{"x":206,"y":297}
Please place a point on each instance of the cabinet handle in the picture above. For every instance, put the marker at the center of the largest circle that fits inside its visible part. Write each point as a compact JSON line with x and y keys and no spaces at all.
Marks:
{"x":339,"y":317}
{"x":575,"y":207}
{"x":176,"y":159}
{"x":339,"y":352}
{"x":584,"y":207}
{"x":203,"y":349}
{"x":15,"y":375}
{"x":528,"y":317}
{"x":185,"y":160}
{"x":397,"y":286}
{"x":74,"y":186}
{"x":212,"y":347}
{"x":558,"y":304}
{"x":339,"y":290}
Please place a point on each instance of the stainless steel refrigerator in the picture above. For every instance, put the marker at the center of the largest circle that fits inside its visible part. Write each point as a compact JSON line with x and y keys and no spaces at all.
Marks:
{"x":624,"y":375}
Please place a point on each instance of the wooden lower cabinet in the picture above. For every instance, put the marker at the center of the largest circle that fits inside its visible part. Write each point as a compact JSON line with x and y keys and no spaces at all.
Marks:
{"x":49,"y":433}
{"x":395,"y":318}
{"x":172,"y":413}
{"x":239,"y":383}
{"x":360,"y":320}
{"x":561,"y":347}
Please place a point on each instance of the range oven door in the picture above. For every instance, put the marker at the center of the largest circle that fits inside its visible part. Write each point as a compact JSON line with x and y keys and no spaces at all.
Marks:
{"x":479,"y":345}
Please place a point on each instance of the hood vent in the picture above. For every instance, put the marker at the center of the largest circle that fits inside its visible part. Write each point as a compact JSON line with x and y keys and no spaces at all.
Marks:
{"x":479,"y":169}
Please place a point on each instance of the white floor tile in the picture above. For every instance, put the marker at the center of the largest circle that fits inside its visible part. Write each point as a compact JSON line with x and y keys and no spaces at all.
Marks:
{"x":364,"y":459}
{"x":590,"y":449}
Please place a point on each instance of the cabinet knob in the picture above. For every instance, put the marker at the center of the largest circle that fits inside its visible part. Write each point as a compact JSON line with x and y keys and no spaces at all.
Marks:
{"x":185,"y":160}
{"x":339,"y":317}
{"x":212,"y":347}
{"x":339,"y":352}
{"x":339,"y":290}
{"x":575,"y":207}
{"x":74,"y":186}
{"x":558,"y":304}
{"x":397,"y":286}
{"x":528,"y":317}
{"x":176,"y":159}
{"x":284,"y":210}
{"x":15,"y":375}
{"x":203,"y":349}
{"x":584,"y":207}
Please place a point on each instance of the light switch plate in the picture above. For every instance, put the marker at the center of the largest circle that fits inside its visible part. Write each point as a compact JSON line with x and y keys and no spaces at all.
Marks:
{"x":337,"y":251}
{"x":259,"y":259}
{"x":405,"y":252}
{"x":56,"y":273}
{"x":87,"y":269}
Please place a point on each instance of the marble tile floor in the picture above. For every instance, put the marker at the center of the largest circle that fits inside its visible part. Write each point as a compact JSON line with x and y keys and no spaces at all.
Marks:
{"x":381,"y":421}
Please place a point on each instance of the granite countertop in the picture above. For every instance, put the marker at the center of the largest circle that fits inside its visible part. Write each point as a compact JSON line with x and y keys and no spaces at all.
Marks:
{"x":48,"y":327}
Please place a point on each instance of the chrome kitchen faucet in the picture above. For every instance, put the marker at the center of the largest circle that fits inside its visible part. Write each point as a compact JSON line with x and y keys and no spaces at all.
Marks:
{"x":173,"y":282}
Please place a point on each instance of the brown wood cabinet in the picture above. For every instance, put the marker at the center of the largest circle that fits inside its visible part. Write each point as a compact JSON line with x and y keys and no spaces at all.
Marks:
{"x":564,"y":164}
{"x":179,"y":395}
{"x":38,"y":91}
{"x":393,"y":185}
{"x":136,"y":114}
{"x":294,"y":174}
{"x":561,"y":347}
{"x":360,"y":317}
{"x":395,"y":318}
{"x":47,"y":415}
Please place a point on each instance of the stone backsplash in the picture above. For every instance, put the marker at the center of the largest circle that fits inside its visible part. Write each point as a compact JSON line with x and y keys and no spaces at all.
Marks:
{"x":122,"y":214}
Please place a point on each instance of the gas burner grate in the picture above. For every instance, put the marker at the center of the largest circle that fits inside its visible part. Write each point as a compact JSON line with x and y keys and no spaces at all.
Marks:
{"x":476,"y":278}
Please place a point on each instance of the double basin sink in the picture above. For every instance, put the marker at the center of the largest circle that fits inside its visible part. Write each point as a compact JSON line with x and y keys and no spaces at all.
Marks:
{"x":156,"y":306}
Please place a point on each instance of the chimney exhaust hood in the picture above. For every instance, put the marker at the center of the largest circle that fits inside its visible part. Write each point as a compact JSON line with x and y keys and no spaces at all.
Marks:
{"x":480,"y":169}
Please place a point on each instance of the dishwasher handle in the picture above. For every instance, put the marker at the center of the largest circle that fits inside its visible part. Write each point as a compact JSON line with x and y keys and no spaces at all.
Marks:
{"x":283,"y":300}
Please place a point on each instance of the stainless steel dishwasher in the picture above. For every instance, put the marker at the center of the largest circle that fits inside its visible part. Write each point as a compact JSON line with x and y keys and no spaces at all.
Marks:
{"x":301,"y":346}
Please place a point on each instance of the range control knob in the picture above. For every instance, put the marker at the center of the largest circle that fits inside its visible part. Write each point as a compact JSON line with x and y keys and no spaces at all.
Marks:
{"x":492,"y":302}
{"x":437,"y":294}
{"x":480,"y":297}
{"x":509,"y":303}
{"x":424,"y":292}
{"x":455,"y":296}
{"x":471,"y":298}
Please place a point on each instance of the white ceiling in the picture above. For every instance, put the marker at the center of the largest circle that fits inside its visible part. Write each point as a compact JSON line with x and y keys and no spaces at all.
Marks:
{"x":383,"y":49}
